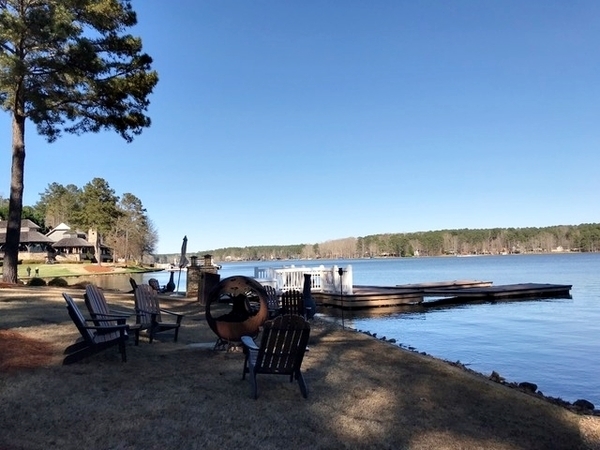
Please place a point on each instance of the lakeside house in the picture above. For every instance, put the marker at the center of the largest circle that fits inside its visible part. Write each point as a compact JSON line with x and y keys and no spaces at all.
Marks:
{"x":60,"y":243}
{"x":33,"y":244}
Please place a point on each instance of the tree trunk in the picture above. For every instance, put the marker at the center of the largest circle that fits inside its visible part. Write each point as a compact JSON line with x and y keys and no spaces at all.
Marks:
{"x":15,"y":205}
{"x":97,"y":249}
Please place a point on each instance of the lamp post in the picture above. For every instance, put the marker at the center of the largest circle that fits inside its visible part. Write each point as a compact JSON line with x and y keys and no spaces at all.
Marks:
{"x":341,"y":273}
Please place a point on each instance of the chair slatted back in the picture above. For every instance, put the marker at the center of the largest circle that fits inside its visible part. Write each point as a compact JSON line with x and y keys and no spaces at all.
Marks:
{"x":283,"y":344}
{"x":78,"y":319}
{"x":146,"y":304}
{"x":96,"y":304}
{"x":272,"y":298}
{"x":292,"y":302}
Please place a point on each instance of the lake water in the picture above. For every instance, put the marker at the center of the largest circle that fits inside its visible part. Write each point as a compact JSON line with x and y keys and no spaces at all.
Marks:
{"x":554,"y":343}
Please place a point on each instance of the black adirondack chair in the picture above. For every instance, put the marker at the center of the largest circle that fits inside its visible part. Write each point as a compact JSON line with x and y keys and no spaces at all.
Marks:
{"x":94,"y":338}
{"x":281,"y":350}
{"x":149,"y":314}
{"x":292,"y":302}
{"x":101,"y":313}
{"x":272,"y":301}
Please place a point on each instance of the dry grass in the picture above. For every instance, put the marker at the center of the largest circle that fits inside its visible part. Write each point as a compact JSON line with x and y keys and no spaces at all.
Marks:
{"x":363,"y":393}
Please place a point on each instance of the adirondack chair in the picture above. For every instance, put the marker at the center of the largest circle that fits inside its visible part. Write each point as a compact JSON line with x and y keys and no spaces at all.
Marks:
{"x":292,"y":302}
{"x":272,"y":301}
{"x":149,"y":313}
{"x":98,"y":309}
{"x":94,"y":338}
{"x":281,"y":351}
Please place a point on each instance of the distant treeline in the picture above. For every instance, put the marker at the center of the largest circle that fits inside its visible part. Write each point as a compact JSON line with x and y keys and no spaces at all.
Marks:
{"x":494,"y":241}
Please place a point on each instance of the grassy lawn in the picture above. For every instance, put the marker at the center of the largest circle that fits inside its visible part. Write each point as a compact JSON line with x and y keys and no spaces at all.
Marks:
{"x":62,"y":270}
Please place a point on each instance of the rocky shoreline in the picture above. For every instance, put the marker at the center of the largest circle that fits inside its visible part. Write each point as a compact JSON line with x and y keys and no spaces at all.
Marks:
{"x":580,"y":406}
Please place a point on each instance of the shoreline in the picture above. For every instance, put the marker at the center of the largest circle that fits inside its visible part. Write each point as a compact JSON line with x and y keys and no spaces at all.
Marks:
{"x":580,"y":406}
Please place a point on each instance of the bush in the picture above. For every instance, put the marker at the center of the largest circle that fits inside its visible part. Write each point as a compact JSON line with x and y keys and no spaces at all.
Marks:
{"x":36,"y":282}
{"x":58,"y":282}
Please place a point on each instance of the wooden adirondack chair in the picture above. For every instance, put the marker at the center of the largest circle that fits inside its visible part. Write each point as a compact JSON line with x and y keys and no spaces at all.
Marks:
{"x":149,"y":313}
{"x":281,"y":350}
{"x":99,"y":309}
{"x":292,"y":302}
{"x":94,"y":338}
{"x":272,"y":301}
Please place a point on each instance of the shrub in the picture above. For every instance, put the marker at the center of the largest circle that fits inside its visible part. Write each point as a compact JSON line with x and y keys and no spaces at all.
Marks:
{"x":36,"y":282}
{"x":58,"y":282}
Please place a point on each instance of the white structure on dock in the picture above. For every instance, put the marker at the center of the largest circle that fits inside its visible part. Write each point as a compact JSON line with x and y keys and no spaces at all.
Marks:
{"x":323,"y":279}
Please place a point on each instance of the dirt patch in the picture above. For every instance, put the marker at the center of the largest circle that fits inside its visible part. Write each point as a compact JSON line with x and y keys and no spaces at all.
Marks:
{"x":93,"y":268}
{"x":18,"y":352}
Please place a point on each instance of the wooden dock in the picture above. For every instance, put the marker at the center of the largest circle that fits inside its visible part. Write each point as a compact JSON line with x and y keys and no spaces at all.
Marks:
{"x":497,"y":293}
{"x":439,"y":293}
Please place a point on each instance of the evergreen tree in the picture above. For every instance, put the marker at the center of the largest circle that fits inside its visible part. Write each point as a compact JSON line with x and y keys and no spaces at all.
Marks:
{"x":99,"y":212}
{"x":68,"y":65}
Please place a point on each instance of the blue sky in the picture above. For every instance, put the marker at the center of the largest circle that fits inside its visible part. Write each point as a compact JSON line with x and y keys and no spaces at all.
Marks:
{"x":280,"y":122}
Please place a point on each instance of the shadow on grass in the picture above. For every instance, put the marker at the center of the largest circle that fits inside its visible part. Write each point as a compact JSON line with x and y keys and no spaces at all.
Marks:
{"x":363,"y":393}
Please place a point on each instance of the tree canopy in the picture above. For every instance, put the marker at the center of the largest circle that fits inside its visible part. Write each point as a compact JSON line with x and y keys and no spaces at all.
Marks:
{"x":68,"y":66}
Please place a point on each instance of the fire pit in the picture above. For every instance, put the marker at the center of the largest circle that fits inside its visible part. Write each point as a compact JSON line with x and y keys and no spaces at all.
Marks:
{"x":236,"y":307}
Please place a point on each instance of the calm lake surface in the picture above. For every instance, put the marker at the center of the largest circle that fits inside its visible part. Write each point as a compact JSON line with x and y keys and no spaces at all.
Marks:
{"x":554,"y":343}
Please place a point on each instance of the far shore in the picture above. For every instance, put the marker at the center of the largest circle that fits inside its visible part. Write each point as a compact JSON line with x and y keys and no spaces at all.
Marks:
{"x":363,"y":392}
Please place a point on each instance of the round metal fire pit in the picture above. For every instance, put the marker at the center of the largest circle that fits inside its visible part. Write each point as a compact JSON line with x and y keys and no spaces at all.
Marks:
{"x":236,"y":307}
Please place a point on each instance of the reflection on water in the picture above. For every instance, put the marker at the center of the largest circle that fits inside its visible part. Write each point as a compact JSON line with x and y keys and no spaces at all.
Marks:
{"x":117,"y":281}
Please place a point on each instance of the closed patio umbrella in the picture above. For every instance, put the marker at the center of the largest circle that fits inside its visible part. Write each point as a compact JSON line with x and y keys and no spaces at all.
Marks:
{"x":183,"y":261}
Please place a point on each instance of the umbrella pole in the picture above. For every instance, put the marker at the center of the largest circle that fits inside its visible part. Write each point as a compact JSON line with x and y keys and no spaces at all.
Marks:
{"x":178,"y":278}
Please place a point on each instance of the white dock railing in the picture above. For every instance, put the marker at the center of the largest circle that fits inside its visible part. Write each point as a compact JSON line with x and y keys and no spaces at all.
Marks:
{"x":323,"y":279}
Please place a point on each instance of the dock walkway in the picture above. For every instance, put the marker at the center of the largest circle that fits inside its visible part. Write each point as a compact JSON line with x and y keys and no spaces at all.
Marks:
{"x":438,"y":293}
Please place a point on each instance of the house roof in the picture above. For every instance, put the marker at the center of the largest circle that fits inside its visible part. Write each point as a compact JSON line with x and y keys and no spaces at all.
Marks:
{"x":61,"y":227}
{"x":25,"y":223}
{"x":28,"y":237}
{"x":72,"y":242}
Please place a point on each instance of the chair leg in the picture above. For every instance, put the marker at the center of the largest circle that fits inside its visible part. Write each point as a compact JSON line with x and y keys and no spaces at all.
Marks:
{"x":245,"y":370}
{"x":302,"y":384}
{"x":123,"y":350}
{"x":254,"y":384}
{"x":176,"y":333}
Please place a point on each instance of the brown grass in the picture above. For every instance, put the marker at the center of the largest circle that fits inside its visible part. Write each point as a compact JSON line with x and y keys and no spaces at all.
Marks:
{"x":94,"y":268}
{"x":363,"y":393}
{"x":18,"y":352}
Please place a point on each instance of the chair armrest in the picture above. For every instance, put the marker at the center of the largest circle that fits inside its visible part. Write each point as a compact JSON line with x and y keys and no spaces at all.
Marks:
{"x":120,"y":318}
{"x":139,"y":313}
{"x":121,"y":313}
{"x":109,"y":315}
{"x":249,"y":342}
{"x":179,"y":317}
{"x":171,"y":312}
{"x":119,"y":322}
{"x":107,"y":328}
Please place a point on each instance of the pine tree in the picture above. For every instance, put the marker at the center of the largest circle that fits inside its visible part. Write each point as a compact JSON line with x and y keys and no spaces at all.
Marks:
{"x":68,"y":66}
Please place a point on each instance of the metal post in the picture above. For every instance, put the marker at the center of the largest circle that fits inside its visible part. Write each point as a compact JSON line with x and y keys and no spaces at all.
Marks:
{"x":341,"y":273}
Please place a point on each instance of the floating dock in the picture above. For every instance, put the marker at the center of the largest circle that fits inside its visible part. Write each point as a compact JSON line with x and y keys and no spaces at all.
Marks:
{"x":439,"y":293}
{"x":497,"y":293}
